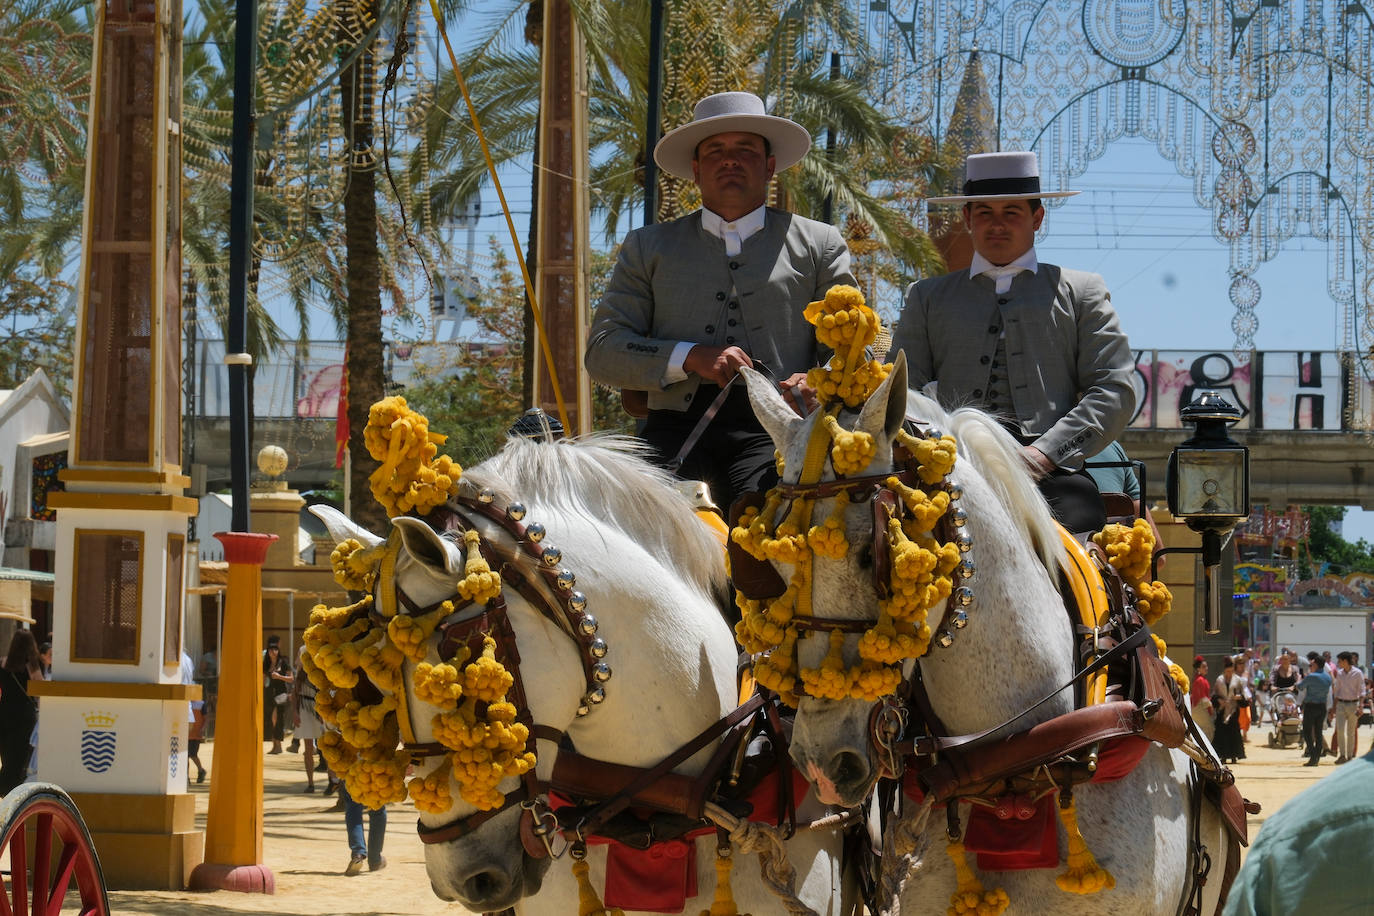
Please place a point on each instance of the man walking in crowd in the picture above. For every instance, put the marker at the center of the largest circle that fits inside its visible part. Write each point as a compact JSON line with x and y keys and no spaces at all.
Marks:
{"x":693,"y":300}
{"x":1347,"y":690}
{"x":1035,"y":344}
{"x":1313,"y":692}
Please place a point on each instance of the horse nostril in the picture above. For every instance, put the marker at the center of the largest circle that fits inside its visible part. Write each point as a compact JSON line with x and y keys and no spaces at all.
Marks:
{"x":848,"y":768}
{"x":484,"y":885}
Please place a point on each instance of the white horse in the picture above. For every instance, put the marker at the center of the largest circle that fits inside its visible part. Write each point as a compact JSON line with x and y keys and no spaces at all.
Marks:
{"x":651,"y":572}
{"x":1016,"y":648}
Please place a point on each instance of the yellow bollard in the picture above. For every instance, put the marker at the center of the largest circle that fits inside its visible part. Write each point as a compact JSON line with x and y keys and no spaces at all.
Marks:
{"x":233,"y":825}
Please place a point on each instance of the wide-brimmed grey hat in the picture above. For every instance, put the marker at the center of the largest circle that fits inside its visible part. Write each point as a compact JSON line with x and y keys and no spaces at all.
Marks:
{"x":1001,"y":176}
{"x":726,"y":112}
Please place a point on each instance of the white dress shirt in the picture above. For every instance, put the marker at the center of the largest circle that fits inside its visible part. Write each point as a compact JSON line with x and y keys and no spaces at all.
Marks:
{"x":1005,"y":274}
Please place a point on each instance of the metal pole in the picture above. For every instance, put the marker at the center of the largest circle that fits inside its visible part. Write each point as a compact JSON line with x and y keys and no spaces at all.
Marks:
{"x":652,"y":125}
{"x":240,"y":245}
{"x":828,"y":209}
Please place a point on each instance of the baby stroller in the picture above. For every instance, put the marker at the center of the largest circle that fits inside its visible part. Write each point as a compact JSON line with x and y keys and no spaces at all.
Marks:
{"x":1287,"y":717}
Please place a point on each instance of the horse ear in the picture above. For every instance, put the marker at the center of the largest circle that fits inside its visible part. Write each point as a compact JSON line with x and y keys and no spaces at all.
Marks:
{"x":885,"y":409}
{"x":341,"y":527}
{"x":778,"y":419}
{"x":424,"y":544}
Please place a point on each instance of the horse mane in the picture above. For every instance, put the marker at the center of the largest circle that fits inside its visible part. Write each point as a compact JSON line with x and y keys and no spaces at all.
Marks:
{"x":607,"y":478}
{"x":997,"y":456}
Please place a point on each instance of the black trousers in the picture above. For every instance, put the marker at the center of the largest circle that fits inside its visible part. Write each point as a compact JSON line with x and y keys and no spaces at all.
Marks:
{"x":1074,"y":499}
{"x":733,"y":455}
{"x":1313,"y":718}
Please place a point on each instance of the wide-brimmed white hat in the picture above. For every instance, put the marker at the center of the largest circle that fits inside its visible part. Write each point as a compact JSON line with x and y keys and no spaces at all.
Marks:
{"x":726,"y":112}
{"x":1001,"y":176}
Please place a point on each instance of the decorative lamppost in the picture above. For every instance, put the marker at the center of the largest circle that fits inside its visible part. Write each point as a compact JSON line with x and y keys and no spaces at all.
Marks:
{"x":1208,"y":487}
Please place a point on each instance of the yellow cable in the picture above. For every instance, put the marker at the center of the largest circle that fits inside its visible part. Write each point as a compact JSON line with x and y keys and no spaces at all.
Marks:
{"x":510,"y":224}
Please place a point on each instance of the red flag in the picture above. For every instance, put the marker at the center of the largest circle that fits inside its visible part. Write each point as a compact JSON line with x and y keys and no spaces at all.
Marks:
{"x":341,"y":417}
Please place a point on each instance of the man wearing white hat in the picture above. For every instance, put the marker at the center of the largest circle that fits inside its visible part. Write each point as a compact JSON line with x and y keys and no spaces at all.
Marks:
{"x":693,"y":300}
{"x":1037,"y":344}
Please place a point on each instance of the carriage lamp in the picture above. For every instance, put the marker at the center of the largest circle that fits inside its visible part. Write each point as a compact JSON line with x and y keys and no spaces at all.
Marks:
{"x":1208,"y":486}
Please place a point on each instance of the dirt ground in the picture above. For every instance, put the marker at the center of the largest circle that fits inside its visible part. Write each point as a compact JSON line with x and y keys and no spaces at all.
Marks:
{"x":305,"y":846}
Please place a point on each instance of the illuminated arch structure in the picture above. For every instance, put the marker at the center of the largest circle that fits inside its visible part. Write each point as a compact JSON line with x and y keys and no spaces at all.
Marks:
{"x":1265,"y":104}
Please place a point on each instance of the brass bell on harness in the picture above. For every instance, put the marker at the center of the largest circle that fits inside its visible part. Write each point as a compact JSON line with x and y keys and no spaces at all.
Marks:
{"x":944,"y":638}
{"x":577,"y":601}
{"x":958,"y":516}
{"x":601,"y":672}
{"x":964,"y":541}
{"x":565,"y":579}
{"x":965,"y":569}
{"x":588,"y":624}
{"x":955,"y":491}
{"x":486,"y":496}
{"x":959,"y":619}
{"x":534,"y":532}
{"x":597,"y":648}
{"x":596,"y":696}
{"x":552,"y":556}
{"x":962,"y":597}
{"x":515,"y":511}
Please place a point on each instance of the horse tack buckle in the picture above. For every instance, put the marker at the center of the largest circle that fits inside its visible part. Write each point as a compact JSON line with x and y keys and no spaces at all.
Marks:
{"x":886,"y":725}
{"x":539,"y":823}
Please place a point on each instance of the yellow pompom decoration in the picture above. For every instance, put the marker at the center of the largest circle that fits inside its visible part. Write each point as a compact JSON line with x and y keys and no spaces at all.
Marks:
{"x":850,"y":452}
{"x":431,"y":793}
{"x":485,"y":678}
{"x":1128,"y":549}
{"x":410,"y":477}
{"x":410,"y":633}
{"x":831,"y":681}
{"x":828,"y":539}
{"x":1084,"y":875}
{"x":935,"y":457}
{"x":355,"y":566}
{"x":588,"y":900}
{"x":479,"y":582}
{"x":723,"y":901}
{"x":969,"y":896}
{"x":1154,"y":600}
{"x":438,"y":685}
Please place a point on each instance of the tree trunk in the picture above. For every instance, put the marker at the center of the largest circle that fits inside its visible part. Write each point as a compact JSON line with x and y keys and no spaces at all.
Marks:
{"x":364,"y":334}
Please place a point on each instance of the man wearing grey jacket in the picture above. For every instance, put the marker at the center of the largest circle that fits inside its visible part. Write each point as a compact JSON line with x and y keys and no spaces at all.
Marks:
{"x":1036,"y":344}
{"x":693,"y":300}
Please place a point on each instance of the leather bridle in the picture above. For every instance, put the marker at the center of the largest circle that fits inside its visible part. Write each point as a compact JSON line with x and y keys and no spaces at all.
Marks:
{"x":550,"y":589}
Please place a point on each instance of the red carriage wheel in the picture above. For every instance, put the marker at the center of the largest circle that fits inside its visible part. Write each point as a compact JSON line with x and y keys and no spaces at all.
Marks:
{"x":47,"y":863}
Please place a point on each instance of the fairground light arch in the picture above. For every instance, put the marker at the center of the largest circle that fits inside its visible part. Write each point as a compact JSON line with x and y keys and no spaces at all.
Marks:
{"x":1266,"y":106}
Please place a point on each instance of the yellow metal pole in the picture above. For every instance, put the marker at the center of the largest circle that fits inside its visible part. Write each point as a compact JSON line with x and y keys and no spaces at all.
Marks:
{"x":233,"y":825}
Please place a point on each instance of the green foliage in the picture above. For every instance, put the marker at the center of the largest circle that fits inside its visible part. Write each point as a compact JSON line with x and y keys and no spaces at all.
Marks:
{"x":1325,"y":546}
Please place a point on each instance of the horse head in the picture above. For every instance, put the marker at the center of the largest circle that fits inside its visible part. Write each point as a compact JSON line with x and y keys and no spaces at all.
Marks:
{"x":477,"y":857}
{"x":856,"y":642}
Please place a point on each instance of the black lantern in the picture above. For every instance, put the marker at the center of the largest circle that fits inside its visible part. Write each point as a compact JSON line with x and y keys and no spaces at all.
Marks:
{"x":1208,"y":485}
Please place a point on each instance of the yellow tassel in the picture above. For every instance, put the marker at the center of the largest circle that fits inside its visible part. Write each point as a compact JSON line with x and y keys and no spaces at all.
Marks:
{"x":1084,"y":875}
{"x":723,"y":903}
{"x":969,"y":896}
{"x":588,"y":900}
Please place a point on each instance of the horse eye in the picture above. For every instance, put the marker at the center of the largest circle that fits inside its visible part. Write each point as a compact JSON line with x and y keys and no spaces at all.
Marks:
{"x":866,"y":557}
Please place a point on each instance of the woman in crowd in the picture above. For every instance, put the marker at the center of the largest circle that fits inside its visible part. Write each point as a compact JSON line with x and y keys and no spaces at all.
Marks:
{"x":1227,"y":696}
{"x":18,"y":710}
{"x":276,"y":684}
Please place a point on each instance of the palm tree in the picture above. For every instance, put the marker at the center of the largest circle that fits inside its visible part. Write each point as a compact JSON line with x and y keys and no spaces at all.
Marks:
{"x":503,"y":76}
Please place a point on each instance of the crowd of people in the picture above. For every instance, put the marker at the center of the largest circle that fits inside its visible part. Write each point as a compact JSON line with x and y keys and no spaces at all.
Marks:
{"x":1331,"y":692}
